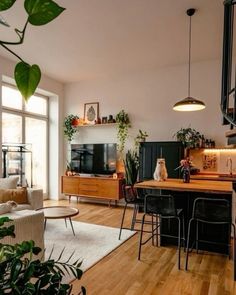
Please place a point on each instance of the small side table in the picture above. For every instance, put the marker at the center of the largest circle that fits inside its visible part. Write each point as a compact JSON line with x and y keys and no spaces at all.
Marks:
{"x":59,"y":212}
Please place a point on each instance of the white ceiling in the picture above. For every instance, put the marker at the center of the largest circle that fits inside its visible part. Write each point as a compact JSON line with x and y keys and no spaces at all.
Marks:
{"x":99,"y":38}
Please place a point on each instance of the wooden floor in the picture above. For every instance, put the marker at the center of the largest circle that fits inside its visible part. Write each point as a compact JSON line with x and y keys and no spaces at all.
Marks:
{"x":120,"y":273}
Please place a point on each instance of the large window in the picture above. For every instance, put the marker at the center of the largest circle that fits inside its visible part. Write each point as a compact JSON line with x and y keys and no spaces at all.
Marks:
{"x":27,"y":123}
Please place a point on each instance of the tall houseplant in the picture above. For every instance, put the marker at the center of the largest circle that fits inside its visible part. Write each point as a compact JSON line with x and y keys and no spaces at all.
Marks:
{"x":39,"y":12}
{"x":131,"y":163}
{"x":20,"y":274}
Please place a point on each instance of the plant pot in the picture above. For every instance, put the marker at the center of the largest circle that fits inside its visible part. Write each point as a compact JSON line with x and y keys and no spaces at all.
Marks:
{"x":75,"y":122}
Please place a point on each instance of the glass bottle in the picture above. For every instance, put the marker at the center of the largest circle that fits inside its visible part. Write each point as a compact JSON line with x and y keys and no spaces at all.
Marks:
{"x":186,"y":176}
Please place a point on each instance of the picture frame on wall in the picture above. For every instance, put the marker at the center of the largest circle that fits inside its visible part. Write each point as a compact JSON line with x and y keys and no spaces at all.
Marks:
{"x":91,"y":113}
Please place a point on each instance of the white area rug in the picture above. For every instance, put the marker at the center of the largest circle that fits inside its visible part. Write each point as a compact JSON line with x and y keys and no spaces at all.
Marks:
{"x":91,"y":242}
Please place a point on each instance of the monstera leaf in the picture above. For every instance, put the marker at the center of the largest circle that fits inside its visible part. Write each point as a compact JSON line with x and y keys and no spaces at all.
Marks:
{"x":6,"y":4}
{"x":42,"y":12}
{"x":27,"y":78}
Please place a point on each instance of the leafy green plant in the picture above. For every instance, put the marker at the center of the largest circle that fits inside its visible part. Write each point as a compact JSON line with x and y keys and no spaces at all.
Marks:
{"x":141,"y":137}
{"x":122,"y":118}
{"x":20,"y":274}
{"x":131,"y":164}
{"x":69,"y":129}
{"x":39,"y":13}
{"x":188,"y":136}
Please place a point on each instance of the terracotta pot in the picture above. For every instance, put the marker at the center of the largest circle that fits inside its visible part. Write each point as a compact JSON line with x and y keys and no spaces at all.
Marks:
{"x":75,"y":122}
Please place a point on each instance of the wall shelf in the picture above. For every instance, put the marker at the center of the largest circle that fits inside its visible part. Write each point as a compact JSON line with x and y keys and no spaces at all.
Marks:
{"x":97,"y":125}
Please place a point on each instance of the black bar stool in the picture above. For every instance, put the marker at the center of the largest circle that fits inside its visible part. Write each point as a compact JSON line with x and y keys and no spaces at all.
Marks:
{"x":131,"y":195}
{"x":161,"y":207}
{"x":210,"y":211}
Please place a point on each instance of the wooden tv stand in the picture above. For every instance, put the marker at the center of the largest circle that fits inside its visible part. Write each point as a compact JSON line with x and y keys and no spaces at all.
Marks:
{"x":92,"y":187}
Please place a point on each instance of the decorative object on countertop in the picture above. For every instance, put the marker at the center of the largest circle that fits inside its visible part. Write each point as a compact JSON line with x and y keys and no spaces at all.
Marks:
{"x":91,"y":112}
{"x":123,"y":121}
{"x":209,"y":161}
{"x":189,"y":103}
{"x":185,"y":165}
{"x":28,"y":76}
{"x":69,"y":128}
{"x":160,"y":173}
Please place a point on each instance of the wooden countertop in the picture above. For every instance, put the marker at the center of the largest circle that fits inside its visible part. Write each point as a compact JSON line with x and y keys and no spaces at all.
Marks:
{"x":218,"y":177}
{"x":195,"y":185}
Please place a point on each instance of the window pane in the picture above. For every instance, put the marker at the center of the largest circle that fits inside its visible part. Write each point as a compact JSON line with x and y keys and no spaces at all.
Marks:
{"x":36,"y":134}
{"x":37,"y":105}
{"x":11,"y":98}
{"x":11,"y":128}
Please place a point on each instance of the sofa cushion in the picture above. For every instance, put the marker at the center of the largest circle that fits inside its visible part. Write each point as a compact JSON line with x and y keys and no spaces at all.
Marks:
{"x":9,"y":182}
{"x":19,"y":195}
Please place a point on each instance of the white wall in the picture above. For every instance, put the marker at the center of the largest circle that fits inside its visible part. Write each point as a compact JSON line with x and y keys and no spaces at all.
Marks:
{"x":148,"y":97}
{"x":55,"y":91}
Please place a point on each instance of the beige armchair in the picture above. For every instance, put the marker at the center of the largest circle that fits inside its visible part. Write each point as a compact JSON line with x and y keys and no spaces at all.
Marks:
{"x":35,"y":200}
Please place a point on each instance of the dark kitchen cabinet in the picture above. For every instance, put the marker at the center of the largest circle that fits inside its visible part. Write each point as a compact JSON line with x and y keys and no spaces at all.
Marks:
{"x":171,"y":151}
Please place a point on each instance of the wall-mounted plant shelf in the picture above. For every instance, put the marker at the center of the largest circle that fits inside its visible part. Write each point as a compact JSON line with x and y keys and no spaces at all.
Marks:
{"x":98,"y":125}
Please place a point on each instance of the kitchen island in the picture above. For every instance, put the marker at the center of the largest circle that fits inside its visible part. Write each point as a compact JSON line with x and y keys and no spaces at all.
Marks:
{"x":185,"y":194}
{"x":195,"y":185}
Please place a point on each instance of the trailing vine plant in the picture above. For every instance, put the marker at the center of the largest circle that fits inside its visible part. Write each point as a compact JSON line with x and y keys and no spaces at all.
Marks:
{"x":69,"y":129}
{"x":39,"y":13}
{"x":122,"y":118}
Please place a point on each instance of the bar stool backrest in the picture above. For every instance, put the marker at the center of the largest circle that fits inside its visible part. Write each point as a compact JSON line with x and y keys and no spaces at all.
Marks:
{"x":212,"y":210}
{"x":160,"y":204}
{"x":129,"y":193}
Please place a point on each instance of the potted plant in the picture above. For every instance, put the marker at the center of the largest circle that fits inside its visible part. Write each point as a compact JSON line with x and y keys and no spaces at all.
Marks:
{"x":20,"y":274}
{"x":70,"y":129}
{"x":122,"y":118}
{"x":188,"y":136}
{"x":39,"y":13}
{"x":131,"y":164}
{"x":141,"y":137}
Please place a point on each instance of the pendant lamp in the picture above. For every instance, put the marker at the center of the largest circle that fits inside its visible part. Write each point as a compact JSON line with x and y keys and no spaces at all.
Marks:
{"x":189,"y":103}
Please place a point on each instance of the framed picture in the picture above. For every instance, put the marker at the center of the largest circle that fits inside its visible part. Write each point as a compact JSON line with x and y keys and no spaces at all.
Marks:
{"x":91,"y":112}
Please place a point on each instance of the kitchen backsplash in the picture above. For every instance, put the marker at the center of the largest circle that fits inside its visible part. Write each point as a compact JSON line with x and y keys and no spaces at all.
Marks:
{"x":214,"y":160}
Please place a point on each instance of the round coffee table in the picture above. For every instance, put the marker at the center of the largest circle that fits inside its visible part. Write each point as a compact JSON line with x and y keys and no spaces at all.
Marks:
{"x":59,"y":212}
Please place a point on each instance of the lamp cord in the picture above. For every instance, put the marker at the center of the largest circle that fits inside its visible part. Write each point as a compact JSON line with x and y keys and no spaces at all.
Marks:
{"x":189,"y":55}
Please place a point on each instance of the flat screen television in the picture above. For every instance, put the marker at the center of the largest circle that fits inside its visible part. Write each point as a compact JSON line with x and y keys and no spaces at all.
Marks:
{"x":99,"y":158}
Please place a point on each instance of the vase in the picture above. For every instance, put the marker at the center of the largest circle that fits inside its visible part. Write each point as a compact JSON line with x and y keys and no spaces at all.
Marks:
{"x":186,"y":176}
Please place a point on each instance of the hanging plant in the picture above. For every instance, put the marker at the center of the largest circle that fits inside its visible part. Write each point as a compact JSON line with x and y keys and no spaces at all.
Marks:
{"x":122,"y":118}
{"x":69,"y":127}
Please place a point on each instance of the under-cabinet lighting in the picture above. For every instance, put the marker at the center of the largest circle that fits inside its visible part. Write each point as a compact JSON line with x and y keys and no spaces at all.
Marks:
{"x":231,"y":150}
